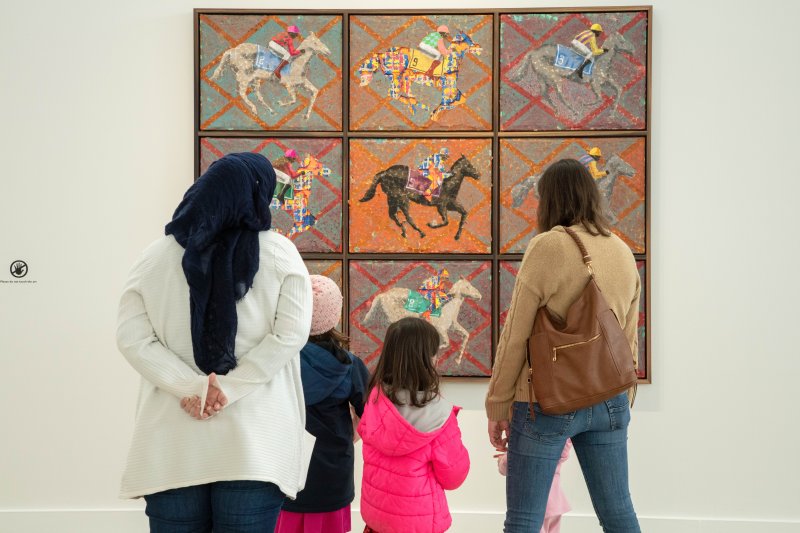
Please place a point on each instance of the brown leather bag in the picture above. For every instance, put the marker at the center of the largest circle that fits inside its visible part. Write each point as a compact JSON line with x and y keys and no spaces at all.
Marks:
{"x":582,"y":360}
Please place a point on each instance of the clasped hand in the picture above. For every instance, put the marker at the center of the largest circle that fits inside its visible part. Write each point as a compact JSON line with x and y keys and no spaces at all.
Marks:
{"x":215,"y":401}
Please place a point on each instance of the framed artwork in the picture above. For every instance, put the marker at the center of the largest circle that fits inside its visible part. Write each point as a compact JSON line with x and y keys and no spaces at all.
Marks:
{"x":309,"y":211}
{"x":382,"y":292}
{"x":618,"y":166}
{"x":255,"y":73}
{"x":508,"y":274}
{"x":421,"y":195}
{"x":573,"y":71}
{"x":409,"y":75}
{"x":408,"y":143}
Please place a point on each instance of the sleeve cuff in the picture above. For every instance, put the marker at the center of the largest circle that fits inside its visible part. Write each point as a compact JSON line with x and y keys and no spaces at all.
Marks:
{"x":498,"y":411}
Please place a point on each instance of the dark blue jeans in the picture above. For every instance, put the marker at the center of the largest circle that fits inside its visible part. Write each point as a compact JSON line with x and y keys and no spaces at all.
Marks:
{"x":600,"y":437}
{"x":221,"y":507}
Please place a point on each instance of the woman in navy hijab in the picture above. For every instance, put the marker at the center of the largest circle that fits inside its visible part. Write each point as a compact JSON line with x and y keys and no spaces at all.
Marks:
{"x":213,"y":318}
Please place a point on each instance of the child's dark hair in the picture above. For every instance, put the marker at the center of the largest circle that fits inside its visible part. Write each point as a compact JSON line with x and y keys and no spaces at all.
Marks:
{"x":333,"y":335}
{"x":406,"y":362}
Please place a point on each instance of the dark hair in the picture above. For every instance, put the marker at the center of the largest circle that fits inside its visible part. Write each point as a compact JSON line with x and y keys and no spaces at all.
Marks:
{"x":406,"y":361}
{"x":568,"y":195}
{"x":333,"y":335}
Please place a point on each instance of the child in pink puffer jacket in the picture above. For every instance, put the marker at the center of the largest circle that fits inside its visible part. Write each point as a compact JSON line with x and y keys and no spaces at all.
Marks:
{"x":412,"y":443}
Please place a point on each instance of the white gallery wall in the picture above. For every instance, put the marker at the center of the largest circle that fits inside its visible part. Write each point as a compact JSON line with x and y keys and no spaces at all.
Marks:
{"x":96,"y":150}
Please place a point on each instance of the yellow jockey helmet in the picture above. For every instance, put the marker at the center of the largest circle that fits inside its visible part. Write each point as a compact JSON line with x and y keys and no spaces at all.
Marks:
{"x":596,"y":27}
{"x":444,"y":273}
{"x":595,"y":152}
{"x":443,"y":29}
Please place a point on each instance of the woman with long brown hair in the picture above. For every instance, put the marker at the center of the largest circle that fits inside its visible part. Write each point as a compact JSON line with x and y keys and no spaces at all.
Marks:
{"x":553,"y":274}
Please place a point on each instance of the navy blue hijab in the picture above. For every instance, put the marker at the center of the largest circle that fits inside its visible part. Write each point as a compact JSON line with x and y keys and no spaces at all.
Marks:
{"x":217,"y":223}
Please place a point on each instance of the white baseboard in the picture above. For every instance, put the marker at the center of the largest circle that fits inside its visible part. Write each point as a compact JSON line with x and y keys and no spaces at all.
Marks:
{"x":134,"y":521}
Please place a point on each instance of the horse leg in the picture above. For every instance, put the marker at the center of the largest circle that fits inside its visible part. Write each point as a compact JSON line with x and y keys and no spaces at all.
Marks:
{"x":314,"y":92}
{"x":393,"y":215}
{"x":458,"y":208}
{"x":464,"y":338}
{"x":292,"y":93}
{"x":259,"y":84}
{"x":242,"y":86}
{"x":442,"y":213}
{"x":404,"y":209}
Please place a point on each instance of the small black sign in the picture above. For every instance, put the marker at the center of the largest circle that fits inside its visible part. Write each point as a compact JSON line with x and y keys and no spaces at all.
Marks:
{"x":19,"y":269}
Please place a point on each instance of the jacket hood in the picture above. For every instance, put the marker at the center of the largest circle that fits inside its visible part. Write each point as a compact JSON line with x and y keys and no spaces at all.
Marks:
{"x":384,"y":428}
{"x":323,"y":374}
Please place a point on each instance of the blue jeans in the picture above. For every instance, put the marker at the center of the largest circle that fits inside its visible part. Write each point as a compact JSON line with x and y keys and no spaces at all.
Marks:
{"x":224,"y":507}
{"x":600,"y":436}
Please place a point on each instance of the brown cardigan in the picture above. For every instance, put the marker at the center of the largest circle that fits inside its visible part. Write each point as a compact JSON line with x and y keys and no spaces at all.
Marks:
{"x":552,"y":274}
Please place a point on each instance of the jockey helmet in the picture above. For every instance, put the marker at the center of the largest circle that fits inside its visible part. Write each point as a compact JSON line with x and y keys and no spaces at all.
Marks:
{"x":444,"y":151}
{"x":290,"y":153}
{"x":595,"y":152}
{"x":293,"y":29}
{"x":596,"y":27}
{"x":444,"y":273}
{"x":443,"y":29}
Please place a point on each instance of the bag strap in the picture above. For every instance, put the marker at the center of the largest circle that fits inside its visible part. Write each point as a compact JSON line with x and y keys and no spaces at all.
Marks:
{"x":587,"y":259}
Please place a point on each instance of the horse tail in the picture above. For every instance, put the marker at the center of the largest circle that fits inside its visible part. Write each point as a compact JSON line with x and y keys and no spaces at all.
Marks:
{"x":523,"y":70}
{"x":370,"y":194}
{"x":224,"y":62}
{"x":375,"y":304}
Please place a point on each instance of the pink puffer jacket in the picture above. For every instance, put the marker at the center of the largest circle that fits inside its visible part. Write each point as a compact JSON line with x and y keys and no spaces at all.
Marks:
{"x":407,"y":471}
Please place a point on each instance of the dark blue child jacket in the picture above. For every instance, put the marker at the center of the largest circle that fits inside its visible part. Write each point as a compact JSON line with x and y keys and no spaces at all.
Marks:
{"x":333,"y":379}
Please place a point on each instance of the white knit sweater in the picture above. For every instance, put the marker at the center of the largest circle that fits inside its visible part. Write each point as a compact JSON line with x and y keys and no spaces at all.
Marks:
{"x":258,"y":435}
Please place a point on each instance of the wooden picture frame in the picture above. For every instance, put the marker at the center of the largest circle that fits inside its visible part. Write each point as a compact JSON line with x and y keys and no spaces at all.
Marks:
{"x":518,"y":125}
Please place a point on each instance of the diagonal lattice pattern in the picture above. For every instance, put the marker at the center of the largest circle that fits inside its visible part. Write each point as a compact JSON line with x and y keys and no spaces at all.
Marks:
{"x":326,"y":191}
{"x":527,"y":103}
{"x":371,"y":108}
{"x":221,"y":108}
{"x":521,"y":158}
{"x":371,"y":229}
{"x":371,"y":278}
{"x":508,"y":275}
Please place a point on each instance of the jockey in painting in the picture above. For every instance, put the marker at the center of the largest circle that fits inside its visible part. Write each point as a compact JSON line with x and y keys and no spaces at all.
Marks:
{"x":590,"y":161}
{"x":585,"y":43}
{"x":434,"y":290}
{"x":284,"y":164}
{"x":433,"y":168}
{"x":283,"y":45}
{"x":435,"y":45}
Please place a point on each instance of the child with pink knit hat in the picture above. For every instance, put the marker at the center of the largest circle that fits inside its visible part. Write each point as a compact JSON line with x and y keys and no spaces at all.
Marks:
{"x":334,"y":381}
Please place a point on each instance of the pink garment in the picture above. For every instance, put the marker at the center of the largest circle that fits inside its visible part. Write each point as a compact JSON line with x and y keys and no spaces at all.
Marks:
{"x":557,"y":503}
{"x":332,"y":522}
{"x":407,"y":471}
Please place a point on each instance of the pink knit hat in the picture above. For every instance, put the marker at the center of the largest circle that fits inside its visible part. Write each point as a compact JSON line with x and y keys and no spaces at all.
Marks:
{"x":327,"y":309}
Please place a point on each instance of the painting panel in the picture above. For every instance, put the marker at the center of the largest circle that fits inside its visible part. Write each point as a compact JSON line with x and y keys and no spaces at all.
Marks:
{"x":542,"y":55}
{"x":619,"y":171}
{"x":420,"y":195}
{"x":239,"y":57}
{"x":310,"y":210}
{"x":382,"y":292}
{"x":508,"y":275}
{"x":401,"y":80}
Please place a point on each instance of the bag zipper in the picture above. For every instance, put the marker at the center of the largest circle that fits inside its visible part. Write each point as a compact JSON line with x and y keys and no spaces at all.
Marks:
{"x":556,"y":348}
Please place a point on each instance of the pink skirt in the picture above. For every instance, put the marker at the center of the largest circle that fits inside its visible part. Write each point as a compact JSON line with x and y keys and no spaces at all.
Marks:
{"x":332,"y":522}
